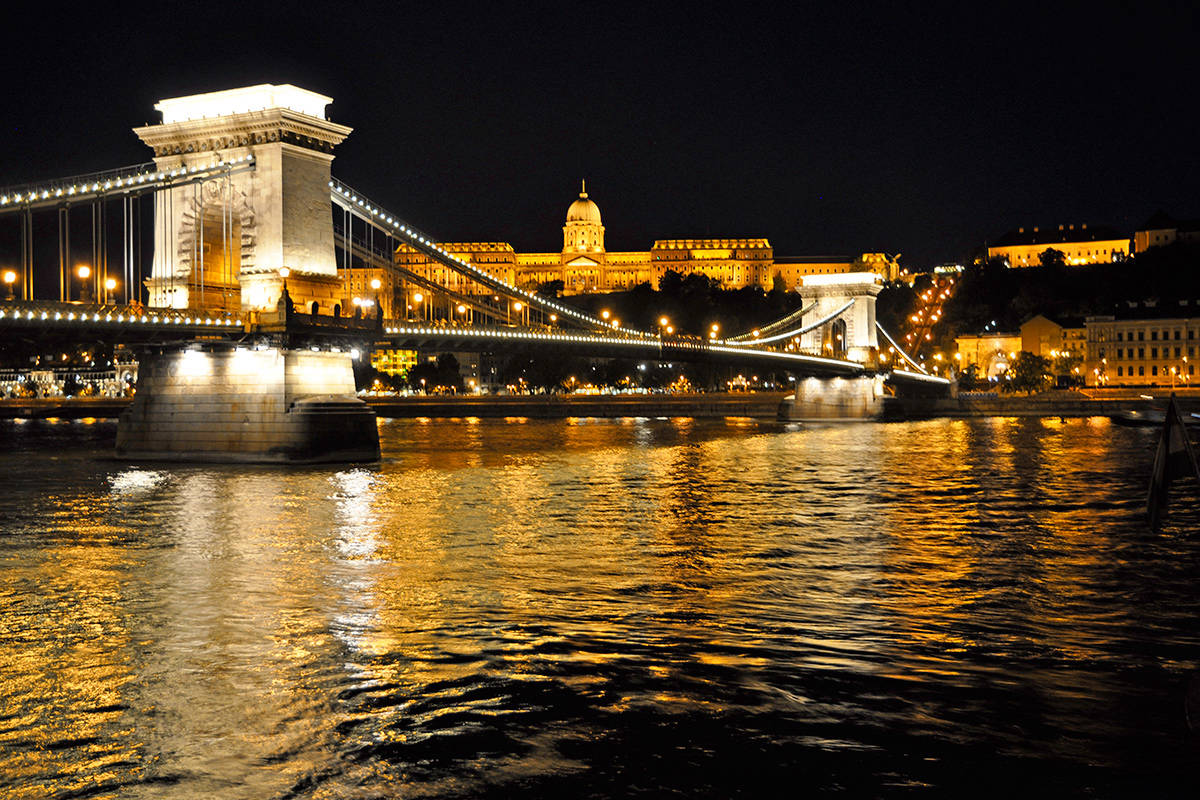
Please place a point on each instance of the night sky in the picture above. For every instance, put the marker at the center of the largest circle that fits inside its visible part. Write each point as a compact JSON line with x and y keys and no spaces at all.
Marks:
{"x":830,"y":128}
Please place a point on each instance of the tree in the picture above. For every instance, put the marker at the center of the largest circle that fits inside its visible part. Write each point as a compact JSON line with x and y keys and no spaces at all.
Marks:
{"x":1053,"y":258}
{"x":429,"y":375}
{"x":550,"y":289}
{"x":968,"y":379}
{"x":1027,"y":373}
{"x":71,"y":385}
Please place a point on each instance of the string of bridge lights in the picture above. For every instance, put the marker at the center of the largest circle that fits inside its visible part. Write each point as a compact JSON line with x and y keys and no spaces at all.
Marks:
{"x":150,"y":177}
{"x":149,"y":319}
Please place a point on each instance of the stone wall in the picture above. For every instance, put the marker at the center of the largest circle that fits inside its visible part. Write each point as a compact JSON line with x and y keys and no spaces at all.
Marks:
{"x":247,"y":405}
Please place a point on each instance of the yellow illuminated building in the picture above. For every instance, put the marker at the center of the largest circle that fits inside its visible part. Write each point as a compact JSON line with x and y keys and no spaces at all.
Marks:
{"x":585,"y":265}
{"x":394,"y":362}
{"x":1162,"y":230}
{"x":1149,"y":344}
{"x":993,"y":353}
{"x":1024,"y":246}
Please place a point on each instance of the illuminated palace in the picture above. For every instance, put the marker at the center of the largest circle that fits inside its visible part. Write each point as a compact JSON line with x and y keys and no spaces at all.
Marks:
{"x":584,"y":265}
{"x":1024,"y":246}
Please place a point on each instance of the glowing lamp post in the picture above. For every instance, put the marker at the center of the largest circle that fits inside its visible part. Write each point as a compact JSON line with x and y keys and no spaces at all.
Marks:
{"x":10,"y":278}
{"x":84,"y":272}
{"x":109,"y":285}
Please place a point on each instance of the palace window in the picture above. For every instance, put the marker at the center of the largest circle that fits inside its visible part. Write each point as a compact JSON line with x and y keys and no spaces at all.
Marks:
{"x":1141,"y":352}
{"x":1154,"y":352}
{"x":1120,"y":370}
{"x":1154,"y":370}
{"x":1154,"y":336}
{"x":1142,"y":371}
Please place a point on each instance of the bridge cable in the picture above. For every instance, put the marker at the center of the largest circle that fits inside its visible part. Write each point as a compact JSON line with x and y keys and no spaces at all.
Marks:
{"x":905,"y":355}
{"x":345,"y":196}
{"x":800,"y":331}
{"x":771,"y":327}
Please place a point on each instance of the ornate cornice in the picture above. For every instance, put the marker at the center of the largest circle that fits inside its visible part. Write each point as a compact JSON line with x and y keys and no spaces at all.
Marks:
{"x":243,"y":130}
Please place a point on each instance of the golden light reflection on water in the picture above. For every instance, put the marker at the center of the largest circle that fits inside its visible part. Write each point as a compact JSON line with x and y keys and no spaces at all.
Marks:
{"x":237,"y":631}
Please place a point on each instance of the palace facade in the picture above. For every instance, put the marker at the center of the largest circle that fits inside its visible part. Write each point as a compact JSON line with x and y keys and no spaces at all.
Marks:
{"x":1079,"y":245}
{"x":585,"y":265}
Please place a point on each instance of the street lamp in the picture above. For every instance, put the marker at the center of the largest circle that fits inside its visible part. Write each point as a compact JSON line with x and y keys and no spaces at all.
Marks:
{"x":109,"y":285}
{"x":84,"y":272}
{"x":10,"y":278}
{"x":375,"y":284}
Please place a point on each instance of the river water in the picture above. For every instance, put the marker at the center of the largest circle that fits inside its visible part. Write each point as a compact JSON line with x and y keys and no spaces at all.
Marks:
{"x":600,"y":608}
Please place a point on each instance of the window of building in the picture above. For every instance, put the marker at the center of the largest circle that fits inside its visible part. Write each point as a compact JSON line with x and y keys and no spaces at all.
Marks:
{"x":1141,"y":336}
{"x":1120,"y":336}
{"x":1154,"y":370}
{"x":1178,"y":352}
{"x":1142,"y":371}
{"x":1177,"y":333}
{"x":1154,"y":352}
{"x":1119,"y":372}
{"x":1153,"y":336}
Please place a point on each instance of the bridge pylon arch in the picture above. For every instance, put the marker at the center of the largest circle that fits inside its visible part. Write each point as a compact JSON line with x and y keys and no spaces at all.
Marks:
{"x":849,"y":298}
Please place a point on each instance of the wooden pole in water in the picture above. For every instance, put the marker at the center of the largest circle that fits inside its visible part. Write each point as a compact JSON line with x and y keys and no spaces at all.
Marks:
{"x":1175,"y":458}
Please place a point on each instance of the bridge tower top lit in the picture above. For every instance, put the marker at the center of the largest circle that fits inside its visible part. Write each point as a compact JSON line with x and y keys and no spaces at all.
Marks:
{"x":847,"y":300}
{"x":232,"y":241}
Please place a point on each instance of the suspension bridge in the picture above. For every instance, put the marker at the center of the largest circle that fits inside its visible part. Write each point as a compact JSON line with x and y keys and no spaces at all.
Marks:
{"x":219,"y":261}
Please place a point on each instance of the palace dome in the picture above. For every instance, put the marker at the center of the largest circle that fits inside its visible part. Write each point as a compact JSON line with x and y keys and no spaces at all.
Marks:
{"x":583,"y":209}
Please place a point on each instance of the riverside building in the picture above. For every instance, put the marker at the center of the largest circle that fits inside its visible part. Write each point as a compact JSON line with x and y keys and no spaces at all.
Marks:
{"x":1144,"y":344}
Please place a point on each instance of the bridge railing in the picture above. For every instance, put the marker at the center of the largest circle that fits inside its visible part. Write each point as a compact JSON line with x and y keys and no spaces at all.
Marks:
{"x":48,"y":311}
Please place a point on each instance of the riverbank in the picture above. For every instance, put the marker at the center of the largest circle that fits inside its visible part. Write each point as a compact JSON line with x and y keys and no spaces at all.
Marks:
{"x":761,"y":405}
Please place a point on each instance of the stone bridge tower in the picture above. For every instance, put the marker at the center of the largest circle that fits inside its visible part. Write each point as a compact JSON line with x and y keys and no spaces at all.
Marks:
{"x":852,"y":334}
{"x":232,"y":242}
